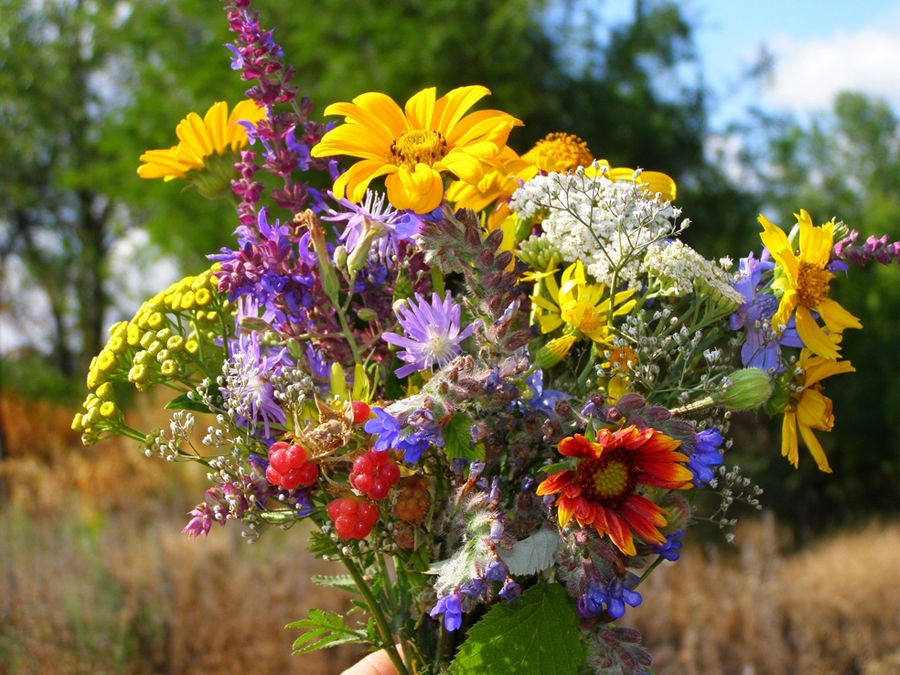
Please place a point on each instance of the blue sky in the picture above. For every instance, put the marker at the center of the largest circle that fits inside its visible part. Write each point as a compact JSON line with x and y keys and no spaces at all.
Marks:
{"x":820,"y":47}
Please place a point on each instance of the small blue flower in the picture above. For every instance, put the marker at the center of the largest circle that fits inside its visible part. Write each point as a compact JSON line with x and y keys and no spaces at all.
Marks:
{"x":451,"y":608}
{"x":510,"y":591}
{"x":705,"y":455}
{"x":670,"y":550}
{"x":610,"y":598}
{"x":386,"y":427}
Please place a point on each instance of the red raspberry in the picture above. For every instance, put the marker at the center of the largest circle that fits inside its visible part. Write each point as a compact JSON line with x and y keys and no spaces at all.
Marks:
{"x":413,"y":499}
{"x":353,"y":519}
{"x":289,"y":466}
{"x":374,"y":474}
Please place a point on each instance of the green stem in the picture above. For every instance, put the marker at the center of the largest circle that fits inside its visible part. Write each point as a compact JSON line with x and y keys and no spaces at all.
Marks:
{"x":650,"y":569}
{"x":375,"y":609}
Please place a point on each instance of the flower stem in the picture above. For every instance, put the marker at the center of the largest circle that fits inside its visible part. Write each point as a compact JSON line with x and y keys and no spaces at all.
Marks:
{"x":375,"y":609}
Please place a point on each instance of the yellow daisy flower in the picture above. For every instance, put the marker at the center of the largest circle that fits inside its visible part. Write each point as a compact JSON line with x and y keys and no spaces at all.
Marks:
{"x":580,"y":307}
{"x":808,"y":409}
{"x":199,"y":139}
{"x":802,"y":280}
{"x":413,"y":147}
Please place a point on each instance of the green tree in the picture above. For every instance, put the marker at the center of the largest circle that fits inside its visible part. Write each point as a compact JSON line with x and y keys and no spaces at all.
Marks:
{"x":79,"y":94}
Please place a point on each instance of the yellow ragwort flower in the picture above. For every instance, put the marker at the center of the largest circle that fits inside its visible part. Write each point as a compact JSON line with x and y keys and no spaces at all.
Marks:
{"x":414,"y":146}
{"x":808,"y":409}
{"x":199,"y":139}
{"x":580,"y":307}
{"x":802,"y":279}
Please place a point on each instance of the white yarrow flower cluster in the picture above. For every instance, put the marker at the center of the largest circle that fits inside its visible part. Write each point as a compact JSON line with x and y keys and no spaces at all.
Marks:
{"x":606,"y":224}
{"x":677,"y":267}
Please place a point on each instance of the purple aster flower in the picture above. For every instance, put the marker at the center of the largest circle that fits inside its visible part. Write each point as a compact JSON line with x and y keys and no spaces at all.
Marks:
{"x":705,"y":455}
{"x":432,"y":332}
{"x":248,"y":389}
{"x":451,"y":608}
{"x":374,"y":218}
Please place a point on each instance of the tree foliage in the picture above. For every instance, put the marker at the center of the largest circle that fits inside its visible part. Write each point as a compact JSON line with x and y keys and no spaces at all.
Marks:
{"x":86,"y":86}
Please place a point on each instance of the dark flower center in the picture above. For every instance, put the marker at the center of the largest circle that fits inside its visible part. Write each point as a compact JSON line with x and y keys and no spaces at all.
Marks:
{"x":609,"y":479}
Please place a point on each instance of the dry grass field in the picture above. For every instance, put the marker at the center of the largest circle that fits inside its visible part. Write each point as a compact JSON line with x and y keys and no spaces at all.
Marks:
{"x":96,"y":578}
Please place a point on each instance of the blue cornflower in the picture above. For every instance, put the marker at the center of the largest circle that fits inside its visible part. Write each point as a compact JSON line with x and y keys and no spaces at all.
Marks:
{"x":451,"y":608}
{"x":705,"y":455}
{"x":432,"y":332}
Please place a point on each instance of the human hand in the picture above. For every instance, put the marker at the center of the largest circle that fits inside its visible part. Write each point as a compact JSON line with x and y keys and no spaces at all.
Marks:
{"x":376,"y":663}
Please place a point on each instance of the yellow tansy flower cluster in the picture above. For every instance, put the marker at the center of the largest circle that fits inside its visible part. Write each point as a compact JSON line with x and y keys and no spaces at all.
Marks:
{"x":168,"y":340}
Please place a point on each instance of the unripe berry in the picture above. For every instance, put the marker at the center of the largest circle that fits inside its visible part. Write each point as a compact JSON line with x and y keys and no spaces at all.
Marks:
{"x":413,"y":499}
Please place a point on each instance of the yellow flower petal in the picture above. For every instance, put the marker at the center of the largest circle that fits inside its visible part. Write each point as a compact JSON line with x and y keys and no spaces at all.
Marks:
{"x":789,"y":445}
{"x":813,"y":336}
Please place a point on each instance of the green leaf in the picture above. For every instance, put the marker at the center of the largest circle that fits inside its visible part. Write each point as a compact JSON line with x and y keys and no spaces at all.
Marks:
{"x":342,"y":581}
{"x":537,"y":633}
{"x":324,"y":629}
{"x":533,"y":554}
{"x":457,"y":437}
{"x":183,"y":402}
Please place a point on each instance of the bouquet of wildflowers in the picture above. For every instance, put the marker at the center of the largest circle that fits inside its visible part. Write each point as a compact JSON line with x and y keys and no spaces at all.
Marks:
{"x":490,"y":384}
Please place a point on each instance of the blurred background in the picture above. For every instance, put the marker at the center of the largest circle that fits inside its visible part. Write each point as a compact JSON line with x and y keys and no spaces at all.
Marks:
{"x":763,"y":107}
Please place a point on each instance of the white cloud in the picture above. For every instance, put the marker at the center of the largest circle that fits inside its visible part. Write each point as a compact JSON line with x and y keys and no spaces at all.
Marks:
{"x":809,"y":73}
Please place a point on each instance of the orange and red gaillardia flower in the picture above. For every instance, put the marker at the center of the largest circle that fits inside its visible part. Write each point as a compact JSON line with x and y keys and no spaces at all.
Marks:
{"x":602,"y":490}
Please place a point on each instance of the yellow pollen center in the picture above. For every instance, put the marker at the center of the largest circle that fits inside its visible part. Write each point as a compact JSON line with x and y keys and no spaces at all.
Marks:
{"x":419,"y":146}
{"x":812,"y":284}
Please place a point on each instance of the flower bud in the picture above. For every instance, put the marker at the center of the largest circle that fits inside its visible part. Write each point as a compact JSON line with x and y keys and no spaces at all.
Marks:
{"x":748,"y":388}
{"x":554,"y":351}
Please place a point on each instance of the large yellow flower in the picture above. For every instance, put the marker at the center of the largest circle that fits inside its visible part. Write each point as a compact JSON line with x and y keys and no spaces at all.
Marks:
{"x":808,"y":409}
{"x":802,"y":279}
{"x":582,"y":308}
{"x":413,"y":147}
{"x":200,"y":139}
